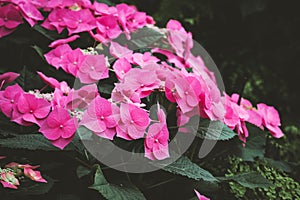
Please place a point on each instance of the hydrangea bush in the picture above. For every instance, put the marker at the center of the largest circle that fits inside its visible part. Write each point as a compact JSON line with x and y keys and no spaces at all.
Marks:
{"x":131,"y":66}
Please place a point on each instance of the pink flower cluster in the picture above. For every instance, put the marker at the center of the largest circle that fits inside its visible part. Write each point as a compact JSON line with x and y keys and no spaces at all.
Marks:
{"x":182,"y":80}
{"x":101,"y":21}
{"x":9,"y":175}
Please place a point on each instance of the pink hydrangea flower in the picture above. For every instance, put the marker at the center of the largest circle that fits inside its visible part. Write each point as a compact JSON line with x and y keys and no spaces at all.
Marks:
{"x":52,"y":82}
{"x":79,"y":21}
{"x":270,"y":119}
{"x":30,"y":12}
{"x":121,"y":67}
{"x":144,"y":59}
{"x":156,"y":141}
{"x":93,"y":69}
{"x":59,"y":127}
{"x":107,"y":29}
{"x":118,"y":51}
{"x":8,"y":180}
{"x":8,"y":99}
{"x":56,"y":57}
{"x":55,"y":20}
{"x":7,"y":77}
{"x":10,"y":18}
{"x":201,"y":197}
{"x":72,"y":61}
{"x":34,"y":175}
{"x":30,"y":109}
{"x":103,"y":9}
{"x":59,"y":42}
{"x":101,"y":117}
{"x":80,"y":99}
{"x":133,"y":122}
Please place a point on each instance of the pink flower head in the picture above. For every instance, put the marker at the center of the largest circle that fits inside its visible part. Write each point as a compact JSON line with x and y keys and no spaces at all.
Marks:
{"x":79,"y":21}
{"x":72,"y":61}
{"x":56,"y":57}
{"x":270,"y":119}
{"x":34,"y":175}
{"x":52,"y":82}
{"x":180,"y":40}
{"x":30,"y":109}
{"x":103,"y":9}
{"x":133,"y":123}
{"x":59,"y":127}
{"x":8,"y":99}
{"x":55,"y":20}
{"x":10,"y":18}
{"x":93,"y":69}
{"x":118,"y":51}
{"x":8,"y":180}
{"x":107,"y":29}
{"x":144,"y":59}
{"x":59,"y":42}
{"x":101,"y":117}
{"x":83,"y":97}
{"x":7,"y":77}
{"x":236,"y":117}
{"x":201,"y":197}
{"x":2,"y":157}
{"x":121,"y":67}
{"x":141,"y":81}
{"x":178,"y":90}
{"x":156,"y":142}
{"x":30,"y":12}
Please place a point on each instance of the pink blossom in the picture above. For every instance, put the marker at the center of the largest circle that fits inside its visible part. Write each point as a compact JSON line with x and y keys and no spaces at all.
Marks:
{"x":156,"y":142}
{"x":79,"y":21}
{"x":8,"y":180}
{"x":59,"y":42}
{"x":52,"y":82}
{"x":34,"y":175}
{"x":93,"y":69}
{"x":30,"y":109}
{"x":30,"y":12}
{"x":144,"y":59}
{"x":21,"y":166}
{"x":7,"y":77}
{"x":56,"y":57}
{"x":103,"y":9}
{"x":2,"y":157}
{"x":101,"y":117}
{"x":72,"y":61}
{"x":201,"y":197}
{"x":80,"y":99}
{"x":10,"y":18}
{"x":121,"y":67}
{"x":270,"y":119}
{"x":107,"y":29}
{"x":59,"y":127}
{"x":9,"y":98}
{"x":119,"y":51}
{"x":55,"y":20}
{"x":178,"y":90}
{"x":133,"y":123}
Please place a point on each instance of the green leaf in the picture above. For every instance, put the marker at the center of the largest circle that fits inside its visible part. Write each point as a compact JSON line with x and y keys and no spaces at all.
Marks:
{"x":115,"y":192}
{"x":282,"y":165}
{"x":183,"y":166}
{"x":251,"y":180}
{"x":82,"y":171}
{"x":29,"y":80}
{"x":214,"y":130}
{"x":105,"y":88}
{"x":255,"y":146}
{"x":107,"y":2}
{"x":28,"y":141}
{"x":145,"y":37}
{"x":39,"y":51}
{"x":43,"y":32}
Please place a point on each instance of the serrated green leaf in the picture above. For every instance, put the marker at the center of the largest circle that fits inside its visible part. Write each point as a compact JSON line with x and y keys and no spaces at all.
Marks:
{"x":251,"y":180}
{"x":183,"y":166}
{"x":282,"y":165}
{"x":145,"y":37}
{"x":214,"y":130}
{"x":115,"y":192}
